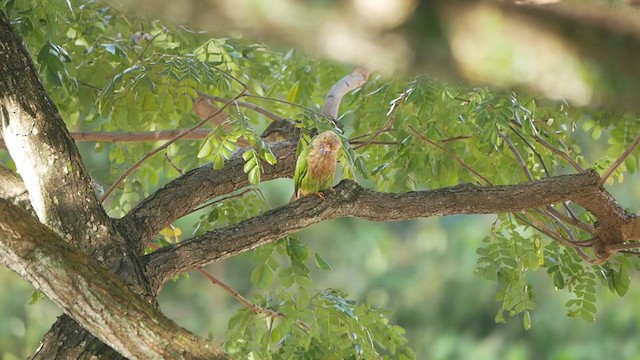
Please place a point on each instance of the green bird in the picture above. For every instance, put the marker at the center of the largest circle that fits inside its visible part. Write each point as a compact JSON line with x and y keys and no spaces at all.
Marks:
{"x":316,"y":165}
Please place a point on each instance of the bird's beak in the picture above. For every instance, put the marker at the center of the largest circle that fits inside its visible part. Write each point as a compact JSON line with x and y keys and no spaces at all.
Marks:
{"x":324,"y":150}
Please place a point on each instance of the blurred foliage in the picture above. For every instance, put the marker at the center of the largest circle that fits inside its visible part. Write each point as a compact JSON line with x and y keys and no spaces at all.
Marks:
{"x":113,"y":72}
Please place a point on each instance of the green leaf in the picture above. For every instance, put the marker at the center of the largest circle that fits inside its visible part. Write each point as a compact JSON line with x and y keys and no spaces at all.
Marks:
{"x":622,"y":281}
{"x":262,"y":276}
{"x":292,"y":96}
{"x":36,"y":295}
{"x":321,"y":263}
{"x":205,"y":150}
{"x":303,"y":298}
{"x":526,"y":320}
{"x":254,"y":176}
{"x":269,"y":157}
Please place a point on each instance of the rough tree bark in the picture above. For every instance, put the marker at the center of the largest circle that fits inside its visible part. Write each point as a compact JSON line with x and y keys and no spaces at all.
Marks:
{"x":62,"y":197}
{"x":93,"y":266}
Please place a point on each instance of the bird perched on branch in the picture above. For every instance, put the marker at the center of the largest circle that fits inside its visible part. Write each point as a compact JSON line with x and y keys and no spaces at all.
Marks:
{"x":316,"y":165}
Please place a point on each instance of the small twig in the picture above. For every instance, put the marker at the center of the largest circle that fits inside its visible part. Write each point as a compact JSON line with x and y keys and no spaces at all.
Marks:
{"x":537,"y":154}
{"x":245,"y":87}
{"x":559,"y":152}
{"x":365,"y":143}
{"x":557,"y":222}
{"x":391,"y":116}
{"x":165,"y":145}
{"x":455,"y":138}
{"x":173,"y":165}
{"x":284,"y":102}
{"x":247,"y":105}
{"x":554,"y":215}
{"x":241,"y":299}
{"x":452,"y":154}
{"x":138,"y":136}
{"x":149,"y":44}
{"x":552,"y":148}
{"x":369,"y":134}
{"x":553,"y":235}
{"x":571,"y":219}
{"x":240,"y":194}
{"x":620,"y":160}
{"x":515,"y":152}
{"x":623,"y":246}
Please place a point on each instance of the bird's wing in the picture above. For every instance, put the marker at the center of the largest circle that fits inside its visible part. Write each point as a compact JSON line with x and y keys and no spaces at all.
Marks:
{"x":302,"y":169}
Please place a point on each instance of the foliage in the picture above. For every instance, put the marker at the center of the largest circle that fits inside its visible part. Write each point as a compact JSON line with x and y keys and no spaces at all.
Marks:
{"x":113,"y":72}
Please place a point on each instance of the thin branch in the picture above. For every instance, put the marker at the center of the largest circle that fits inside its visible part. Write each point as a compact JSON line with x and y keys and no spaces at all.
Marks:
{"x":455,"y":138}
{"x":391,"y":116}
{"x":358,"y":137}
{"x":623,"y":246}
{"x":165,"y":145}
{"x":570,"y":219}
{"x":552,"y":148}
{"x":173,"y":165}
{"x":236,"y":295}
{"x":284,"y":102}
{"x":133,"y":136}
{"x":238,"y":195}
{"x":553,"y":214}
{"x":247,"y":105}
{"x":620,"y":160}
{"x":451,"y":154}
{"x":559,"y":152}
{"x":533,"y":149}
{"x":367,"y":143}
{"x":515,"y":152}
{"x":553,"y":235}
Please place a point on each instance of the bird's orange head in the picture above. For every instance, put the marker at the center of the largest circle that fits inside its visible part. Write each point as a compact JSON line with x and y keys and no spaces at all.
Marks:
{"x":327,"y":142}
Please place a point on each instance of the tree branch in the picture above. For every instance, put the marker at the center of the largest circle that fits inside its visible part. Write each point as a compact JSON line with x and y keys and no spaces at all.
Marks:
{"x":332,"y":101}
{"x":96,"y":298}
{"x":351,"y":200}
{"x":620,"y":160}
{"x":247,"y":105}
{"x":45,"y":155}
{"x":12,"y":189}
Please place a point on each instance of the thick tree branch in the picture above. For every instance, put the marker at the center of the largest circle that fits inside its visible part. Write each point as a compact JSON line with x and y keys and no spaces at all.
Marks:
{"x":184,"y":194}
{"x":12,"y":189}
{"x":63,"y":199}
{"x":96,"y":298}
{"x":351,"y":200}
{"x":45,"y":155}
